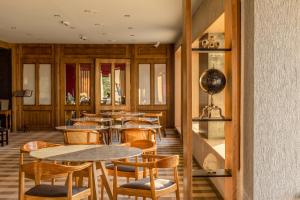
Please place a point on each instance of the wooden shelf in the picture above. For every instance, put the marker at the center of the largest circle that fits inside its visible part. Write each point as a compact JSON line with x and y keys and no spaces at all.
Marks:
{"x":212,"y":174}
{"x":198,"y":119}
{"x":205,"y":50}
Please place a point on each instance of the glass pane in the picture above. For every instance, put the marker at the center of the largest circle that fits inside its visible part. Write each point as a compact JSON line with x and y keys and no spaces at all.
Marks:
{"x":144,"y":84}
{"x":120,"y":84}
{"x":70,"y":84}
{"x":85,"y":84}
{"x":29,"y":83}
{"x":105,"y":83}
{"x":69,"y":114}
{"x":45,"y":84}
{"x":160,"y":83}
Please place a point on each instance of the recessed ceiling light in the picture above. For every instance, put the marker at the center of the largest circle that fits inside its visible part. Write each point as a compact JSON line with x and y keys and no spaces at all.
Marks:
{"x":98,"y":24}
{"x":72,"y":27}
{"x":132,"y":35}
{"x":13,"y":27}
{"x":127,"y":15}
{"x":66,"y":23}
{"x":90,"y":11}
{"x":130,"y":28}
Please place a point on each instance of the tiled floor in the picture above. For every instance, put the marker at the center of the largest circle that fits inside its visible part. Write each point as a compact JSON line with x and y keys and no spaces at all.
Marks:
{"x":9,"y":155}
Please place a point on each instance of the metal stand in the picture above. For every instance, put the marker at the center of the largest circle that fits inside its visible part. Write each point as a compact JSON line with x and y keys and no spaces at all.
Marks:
{"x":207,"y":110}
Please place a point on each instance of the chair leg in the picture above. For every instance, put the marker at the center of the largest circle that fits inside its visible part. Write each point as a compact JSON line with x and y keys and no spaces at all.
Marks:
{"x":177,"y":194}
{"x":102,"y":189}
{"x":159,"y":134}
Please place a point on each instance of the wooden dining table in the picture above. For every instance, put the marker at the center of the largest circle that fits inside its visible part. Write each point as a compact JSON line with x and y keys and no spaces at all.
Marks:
{"x":89,"y":153}
{"x":122,"y":114}
{"x":105,"y":130}
{"x":93,"y":119}
{"x":135,"y":126}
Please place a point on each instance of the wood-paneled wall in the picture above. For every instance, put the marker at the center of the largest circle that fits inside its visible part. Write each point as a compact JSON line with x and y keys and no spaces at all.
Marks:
{"x":45,"y":117}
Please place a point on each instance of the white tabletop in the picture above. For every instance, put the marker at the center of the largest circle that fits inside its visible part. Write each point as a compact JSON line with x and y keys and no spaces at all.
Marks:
{"x":154,"y":126}
{"x":85,"y":153}
{"x":82,"y":128}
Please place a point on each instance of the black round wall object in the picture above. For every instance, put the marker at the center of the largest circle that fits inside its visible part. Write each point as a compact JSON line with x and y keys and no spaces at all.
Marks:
{"x":212,"y":81}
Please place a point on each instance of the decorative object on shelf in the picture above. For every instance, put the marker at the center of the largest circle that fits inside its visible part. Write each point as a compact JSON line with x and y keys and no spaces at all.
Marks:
{"x":23,"y":93}
{"x":212,"y":81}
{"x":210,"y":43}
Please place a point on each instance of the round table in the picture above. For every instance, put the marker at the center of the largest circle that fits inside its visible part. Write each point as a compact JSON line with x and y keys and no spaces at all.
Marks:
{"x":123,"y":114}
{"x":82,"y":128}
{"x":88,"y":153}
{"x":147,"y":119}
{"x":129,"y":126}
{"x":105,"y":130}
{"x":92,"y":119}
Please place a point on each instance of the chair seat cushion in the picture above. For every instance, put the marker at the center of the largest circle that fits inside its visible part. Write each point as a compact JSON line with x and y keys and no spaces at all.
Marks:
{"x":52,"y":191}
{"x":144,"y":184}
{"x":123,"y":168}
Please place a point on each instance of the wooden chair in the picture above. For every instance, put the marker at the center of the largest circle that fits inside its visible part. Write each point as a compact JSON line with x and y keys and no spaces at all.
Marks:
{"x":32,"y":146}
{"x":132,"y":134}
{"x":82,"y":137}
{"x":45,"y":171}
{"x":150,"y":186}
{"x":138,"y":121}
{"x":86,"y":123}
{"x":85,"y":114}
{"x":157,"y":116}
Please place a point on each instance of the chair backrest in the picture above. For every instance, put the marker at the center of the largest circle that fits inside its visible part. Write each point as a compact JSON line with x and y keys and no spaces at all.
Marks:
{"x":168,"y":162}
{"x":130,"y":135}
{"x":153,"y":114}
{"x":35,"y":145}
{"x":90,"y":114}
{"x":86,"y":123}
{"x":82,"y":137}
{"x":45,"y":171}
{"x":145,"y":145}
{"x":137,"y":122}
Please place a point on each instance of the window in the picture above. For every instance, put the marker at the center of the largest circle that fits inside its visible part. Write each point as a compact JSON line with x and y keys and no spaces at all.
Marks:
{"x":112,"y":84}
{"x":120,"y":83}
{"x":84,"y":84}
{"x":38,"y":79}
{"x":152,"y":88}
{"x":45,"y":84}
{"x":29,"y":83}
{"x":105,"y":83}
{"x":144,"y":84}
{"x":160,"y":83}
{"x":70,"y":84}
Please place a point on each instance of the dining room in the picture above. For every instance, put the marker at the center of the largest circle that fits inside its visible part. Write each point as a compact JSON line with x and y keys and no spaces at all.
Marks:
{"x":136,"y":99}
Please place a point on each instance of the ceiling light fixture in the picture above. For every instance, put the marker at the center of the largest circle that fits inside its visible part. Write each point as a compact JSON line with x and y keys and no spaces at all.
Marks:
{"x":130,"y":28}
{"x":82,"y":37}
{"x":156,"y":45}
{"x":57,"y":15}
{"x":72,"y":27}
{"x":13,"y":27}
{"x":132,"y":35}
{"x":65,"y":23}
{"x":127,"y":15}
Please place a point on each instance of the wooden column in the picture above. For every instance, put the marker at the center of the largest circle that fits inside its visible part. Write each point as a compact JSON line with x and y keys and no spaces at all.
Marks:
{"x":186,"y":98}
{"x":232,"y":95}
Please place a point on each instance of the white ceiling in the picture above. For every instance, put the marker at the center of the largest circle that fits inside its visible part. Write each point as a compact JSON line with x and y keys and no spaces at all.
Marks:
{"x":33,"y":21}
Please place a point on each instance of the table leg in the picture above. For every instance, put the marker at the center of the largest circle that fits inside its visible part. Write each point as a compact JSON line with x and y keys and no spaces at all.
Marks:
{"x":105,"y":180}
{"x":95,"y":181}
{"x":6,"y":122}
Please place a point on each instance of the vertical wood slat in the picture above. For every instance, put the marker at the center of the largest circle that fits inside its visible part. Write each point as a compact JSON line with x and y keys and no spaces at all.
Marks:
{"x":232,"y":97}
{"x":186,"y":101}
